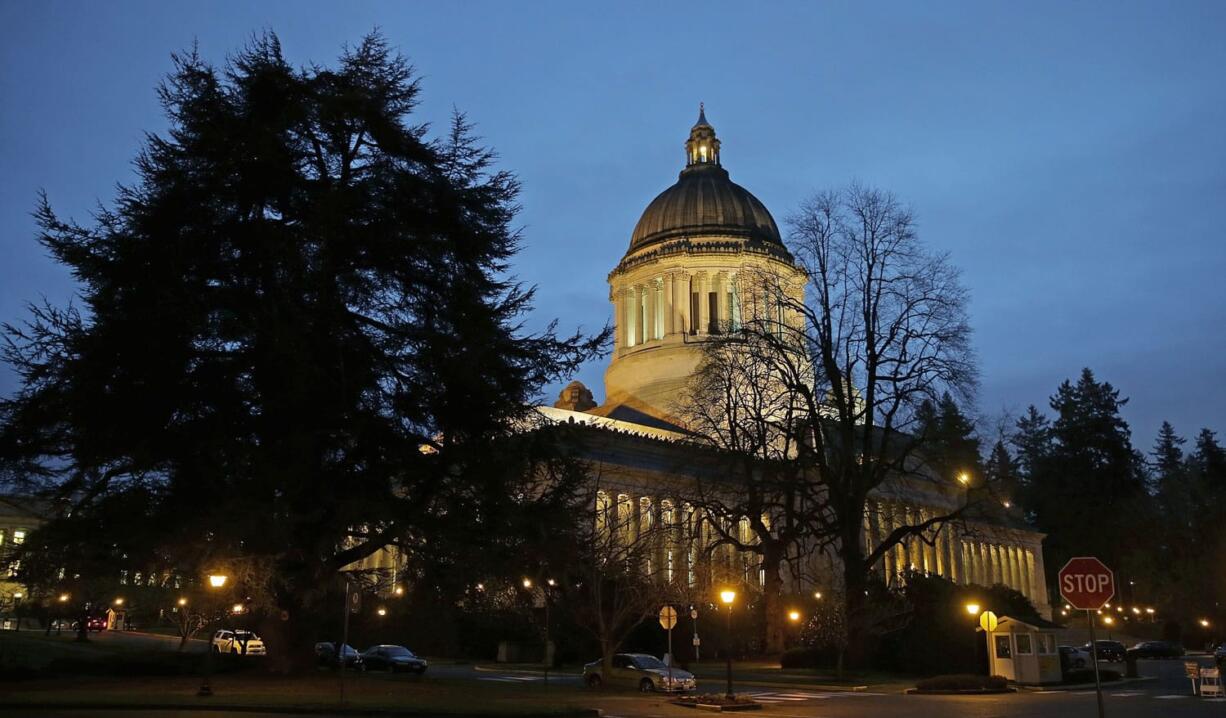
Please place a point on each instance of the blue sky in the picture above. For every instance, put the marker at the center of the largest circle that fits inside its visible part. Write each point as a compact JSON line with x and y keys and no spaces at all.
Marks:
{"x":1070,"y":156}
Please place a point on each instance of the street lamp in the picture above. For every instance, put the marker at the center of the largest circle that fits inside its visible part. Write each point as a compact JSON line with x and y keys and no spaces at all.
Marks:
{"x":527,"y":583}
{"x":182,"y":601}
{"x":728,"y":596}
{"x":817,"y":595}
{"x":972,"y":608}
{"x":793,"y":616}
{"x":1204,"y":623}
{"x":216,"y":580}
{"x":119,"y":601}
{"x":382,"y":611}
{"x":964,"y":478}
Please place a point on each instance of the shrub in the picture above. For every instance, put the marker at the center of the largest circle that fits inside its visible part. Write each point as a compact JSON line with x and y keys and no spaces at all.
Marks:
{"x":1086,"y":675}
{"x":962,"y":682}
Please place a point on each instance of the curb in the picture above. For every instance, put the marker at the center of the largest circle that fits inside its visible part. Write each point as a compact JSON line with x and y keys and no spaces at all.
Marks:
{"x":292,"y":710}
{"x":1085,"y":686}
{"x":524,"y":671}
{"x":977,"y":692}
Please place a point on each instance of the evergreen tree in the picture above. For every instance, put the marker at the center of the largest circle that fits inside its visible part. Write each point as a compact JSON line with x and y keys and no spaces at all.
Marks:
{"x":1086,"y":485}
{"x":300,"y":336}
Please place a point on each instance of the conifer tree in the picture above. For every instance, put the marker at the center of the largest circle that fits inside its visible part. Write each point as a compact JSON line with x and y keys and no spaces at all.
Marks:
{"x":300,"y":336}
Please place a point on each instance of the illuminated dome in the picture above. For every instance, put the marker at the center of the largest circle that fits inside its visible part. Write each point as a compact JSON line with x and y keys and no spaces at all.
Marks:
{"x":704,"y":201}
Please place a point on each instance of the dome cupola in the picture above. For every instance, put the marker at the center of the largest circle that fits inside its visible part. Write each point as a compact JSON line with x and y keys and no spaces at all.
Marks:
{"x":704,"y":201}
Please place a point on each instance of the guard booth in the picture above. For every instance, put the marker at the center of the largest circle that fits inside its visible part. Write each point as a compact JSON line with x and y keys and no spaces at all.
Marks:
{"x":1024,"y":651}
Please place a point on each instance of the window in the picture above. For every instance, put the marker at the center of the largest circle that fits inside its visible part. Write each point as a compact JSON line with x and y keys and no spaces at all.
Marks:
{"x":694,"y":313}
{"x":622,"y":661}
{"x":713,"y":316}
{"x":1047,"y":644}
{"x":1023,"y":644}
{"x":19,"y":537}
{"x":1002,"y":647}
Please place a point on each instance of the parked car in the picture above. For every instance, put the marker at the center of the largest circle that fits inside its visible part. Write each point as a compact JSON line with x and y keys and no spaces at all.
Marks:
{"x":1219,"y":655}
{"x":325,"y":655}
{"x":1156,"y":649}
{"x":1108,"y":651}
{"x":1074,"y":658}
{"x":643,"y":671}
{"x":93,"y":623}
{"x":392,"y":659}
{"x":238,"y":642}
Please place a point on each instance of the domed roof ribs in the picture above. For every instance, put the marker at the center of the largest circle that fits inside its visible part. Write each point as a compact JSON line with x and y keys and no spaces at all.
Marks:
{"x":704,"y":201}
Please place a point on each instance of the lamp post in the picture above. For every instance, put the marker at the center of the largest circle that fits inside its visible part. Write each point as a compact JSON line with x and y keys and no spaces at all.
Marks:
{"x":728,"y":597}
{"x":216,"y":581}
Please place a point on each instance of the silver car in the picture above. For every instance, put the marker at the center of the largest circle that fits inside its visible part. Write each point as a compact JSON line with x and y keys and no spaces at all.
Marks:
{"x":643,"y":671}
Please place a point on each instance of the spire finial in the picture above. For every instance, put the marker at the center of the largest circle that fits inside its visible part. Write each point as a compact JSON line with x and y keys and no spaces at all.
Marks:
{"x":702,"y":147}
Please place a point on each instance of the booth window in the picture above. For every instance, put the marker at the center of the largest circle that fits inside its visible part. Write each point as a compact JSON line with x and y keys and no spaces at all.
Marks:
{"x":1002,"y":647}
{"x":1023,"y":644}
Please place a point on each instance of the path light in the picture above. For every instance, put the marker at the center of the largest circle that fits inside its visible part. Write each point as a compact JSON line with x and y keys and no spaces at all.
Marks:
{"x":63,"y":598}
{"x":237,"y":608}
{"x":399,"y":590}
{"x":119,"y":601}
{"x":817,"y":595}
{"x":182,"y":601}
{"x":793,"y":616}
{"x":972,"y":608}
{"x":381,"y":611}
{"x":1204,"y":623}
{"x":964,"y":478}
{"x":1136,"y":610}
{"x":728,"y":596}
{"x":1108,"y":620}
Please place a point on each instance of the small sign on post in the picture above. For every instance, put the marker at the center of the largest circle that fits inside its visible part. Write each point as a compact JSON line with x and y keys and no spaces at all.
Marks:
{"x":1192,"y":669}
{"x":1087,"y":584}
{"x":668,"y":619}
{"x":988,"y":621}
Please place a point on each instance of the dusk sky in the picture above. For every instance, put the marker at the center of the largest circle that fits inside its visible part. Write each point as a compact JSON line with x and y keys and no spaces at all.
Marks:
{"x":1071,"y":157}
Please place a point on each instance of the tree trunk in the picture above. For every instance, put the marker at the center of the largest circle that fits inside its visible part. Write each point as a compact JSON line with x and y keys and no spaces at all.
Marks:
{"x":854,"y":584}
{"x":83,"y":626}
{"x":775,"y":624}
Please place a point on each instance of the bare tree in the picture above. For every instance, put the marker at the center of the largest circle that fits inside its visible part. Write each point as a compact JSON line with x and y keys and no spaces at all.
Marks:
{"x":882,"y":327}
{"x":754,"y":498}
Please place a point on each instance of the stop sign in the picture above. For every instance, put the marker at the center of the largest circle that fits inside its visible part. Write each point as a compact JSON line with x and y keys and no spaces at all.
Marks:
{"x":1086,"y":583}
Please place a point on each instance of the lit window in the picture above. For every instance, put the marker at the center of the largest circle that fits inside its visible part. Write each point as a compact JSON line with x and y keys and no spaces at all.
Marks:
{"x":19,"y":537}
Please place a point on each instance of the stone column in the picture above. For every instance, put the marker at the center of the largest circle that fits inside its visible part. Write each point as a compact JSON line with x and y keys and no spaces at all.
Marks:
{"x":1016,"y":565}
{"x":721,"y":303}
{"x":702,"y":280}
{"x":619,"y":324}
{"x":652,"y":299}
{"x":670,"y":308}
{"x":1024,"y":572}
{"x":683,"y":293}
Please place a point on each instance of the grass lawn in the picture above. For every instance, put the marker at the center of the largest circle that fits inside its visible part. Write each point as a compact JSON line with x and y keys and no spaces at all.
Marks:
{"x":371,"y":692}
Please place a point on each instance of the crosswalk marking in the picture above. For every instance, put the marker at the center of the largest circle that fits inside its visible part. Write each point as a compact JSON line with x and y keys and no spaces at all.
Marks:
{"x":509,"y":679}
{"x":786,"y":697}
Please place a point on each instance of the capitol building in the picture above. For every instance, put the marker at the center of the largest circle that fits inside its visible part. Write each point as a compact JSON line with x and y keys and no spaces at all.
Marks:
{"x":678,"y":285}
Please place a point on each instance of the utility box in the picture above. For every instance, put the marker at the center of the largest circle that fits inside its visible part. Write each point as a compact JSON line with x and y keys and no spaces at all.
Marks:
{"x":1024,"y":651}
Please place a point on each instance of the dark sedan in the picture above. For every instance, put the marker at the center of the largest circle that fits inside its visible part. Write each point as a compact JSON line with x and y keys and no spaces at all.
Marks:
{"x":1113,"y":651}
{"x":1156,"y":649}
{"x":393,"y":659}
{"x":325,"y":655}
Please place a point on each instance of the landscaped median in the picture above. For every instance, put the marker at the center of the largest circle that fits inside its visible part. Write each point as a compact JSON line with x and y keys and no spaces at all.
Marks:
{"x":319,"y":693}
{"x":961,"y":684}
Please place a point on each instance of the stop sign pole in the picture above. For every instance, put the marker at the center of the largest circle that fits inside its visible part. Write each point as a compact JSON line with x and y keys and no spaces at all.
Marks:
{"x":1087,"y":584}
